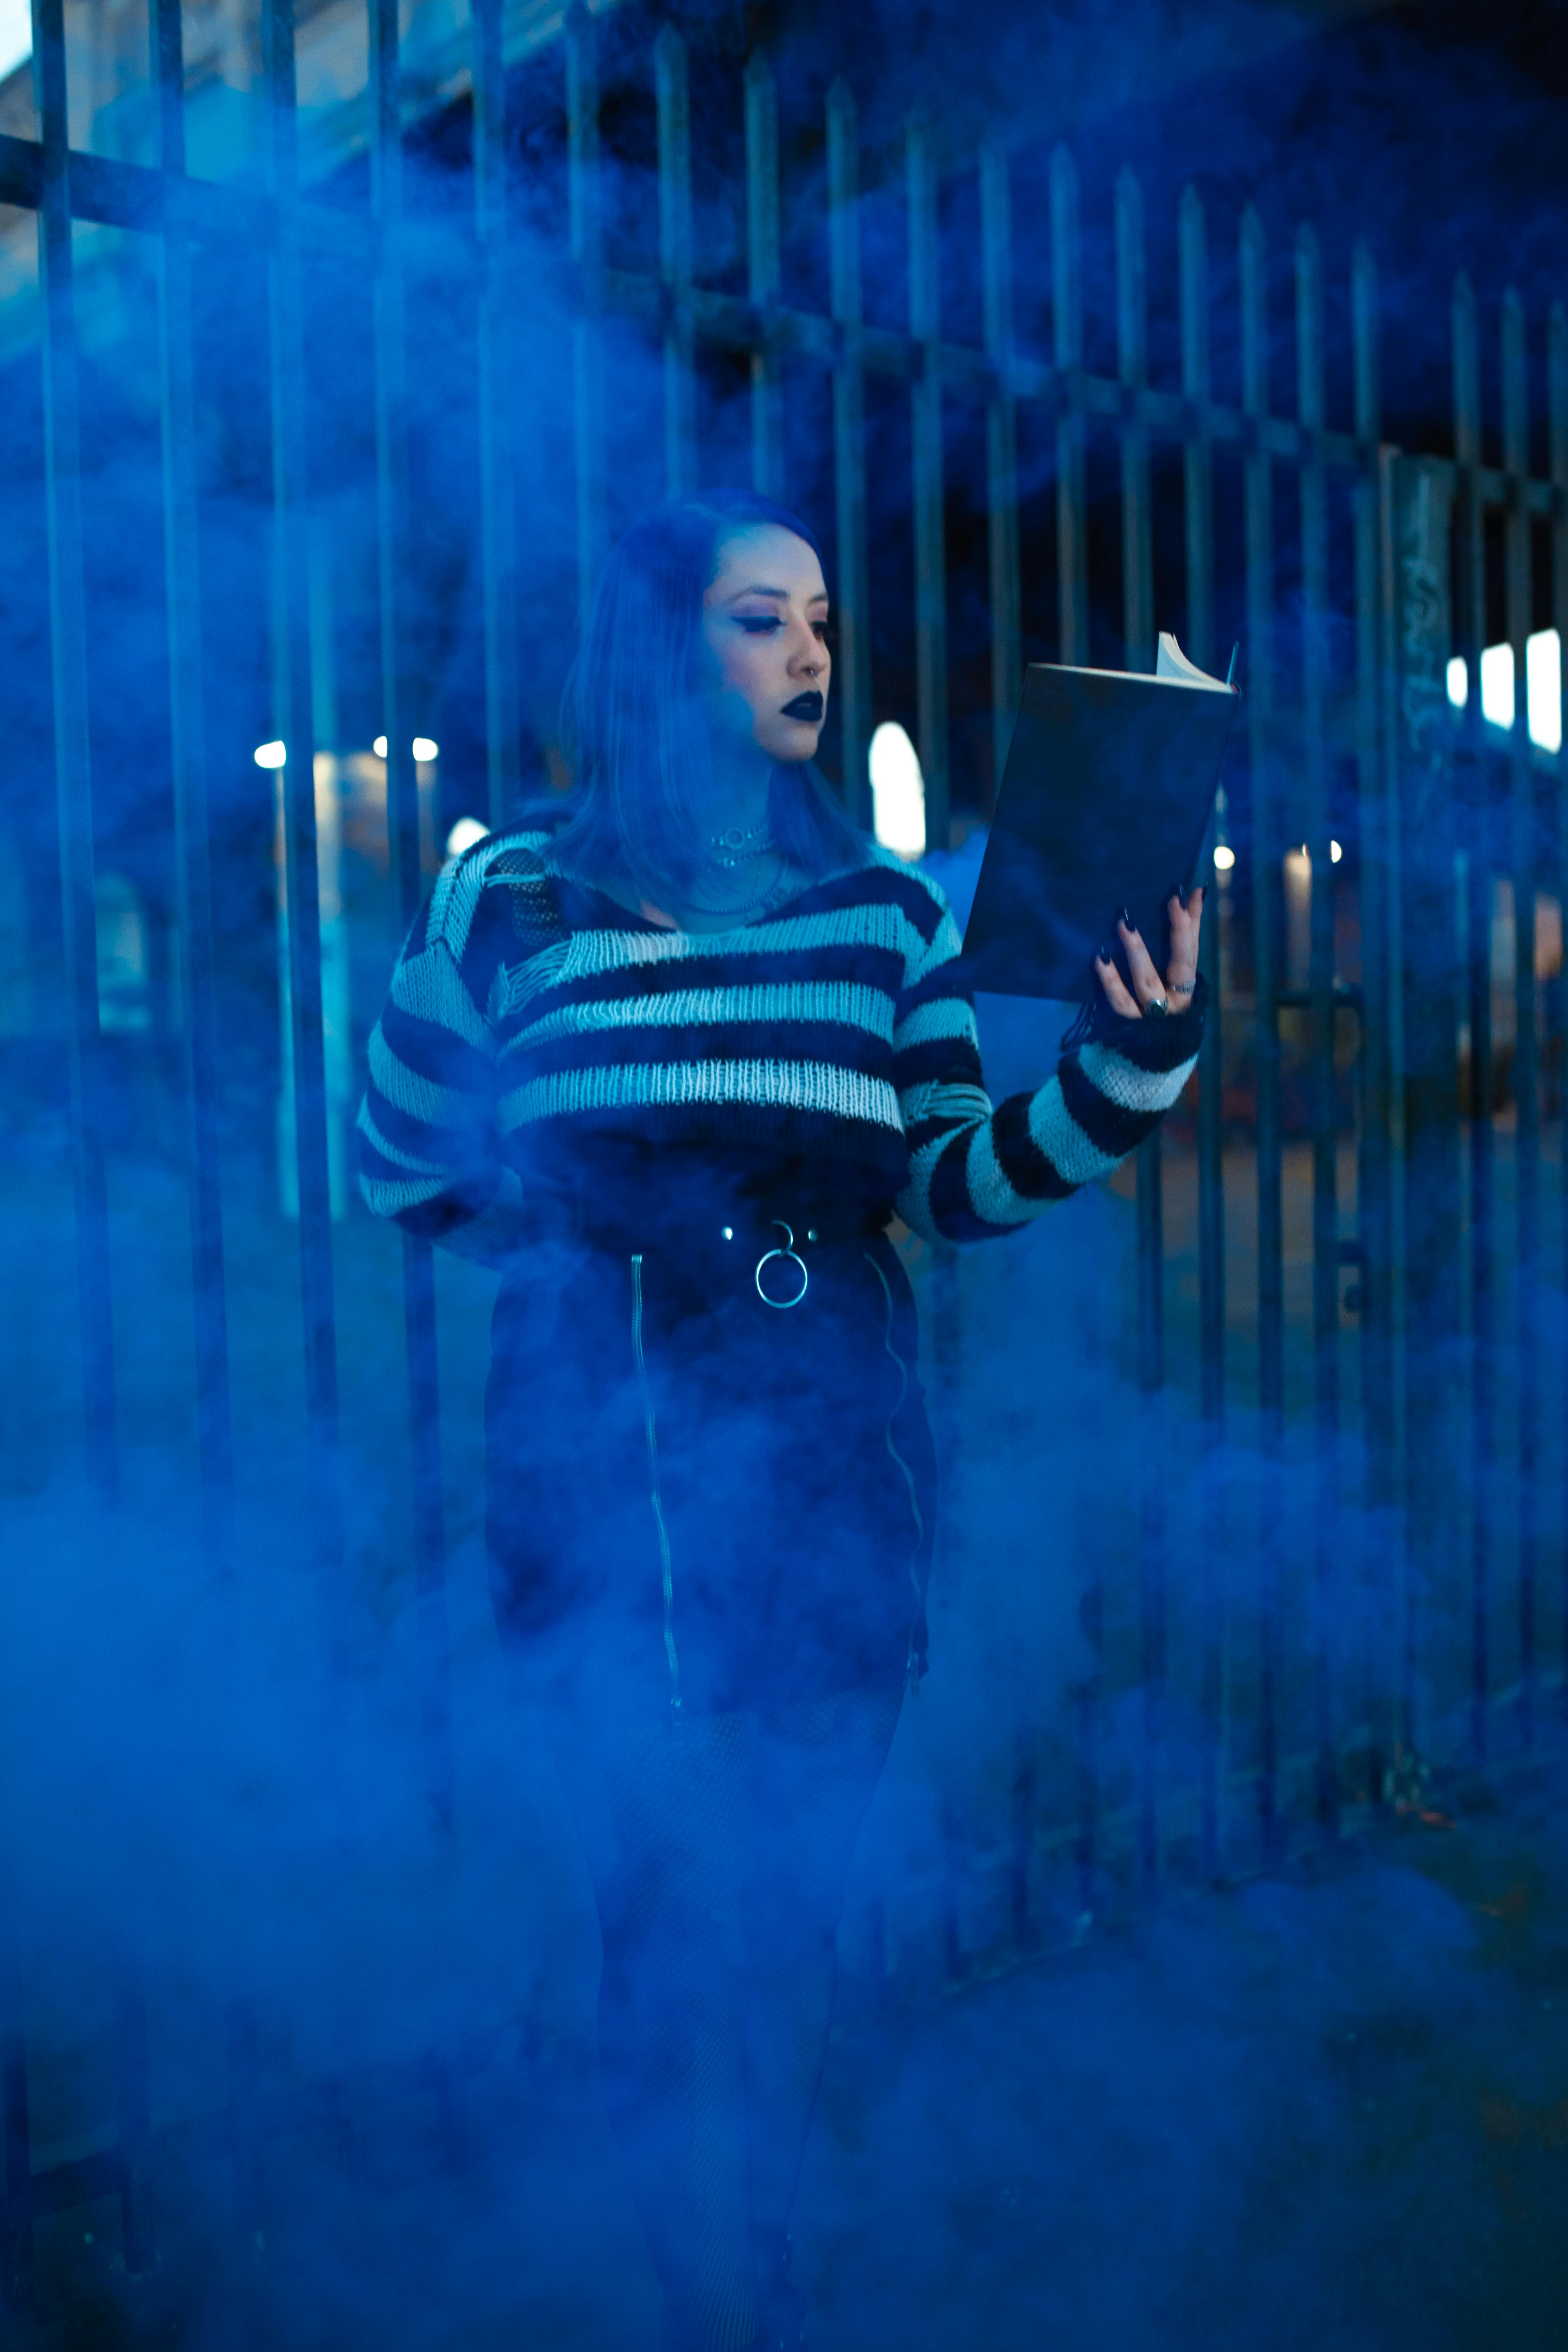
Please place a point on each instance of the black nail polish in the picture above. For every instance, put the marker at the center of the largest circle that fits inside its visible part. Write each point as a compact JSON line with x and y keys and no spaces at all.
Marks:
{"x":1125,"y":917}
{"x":1103,"y":951}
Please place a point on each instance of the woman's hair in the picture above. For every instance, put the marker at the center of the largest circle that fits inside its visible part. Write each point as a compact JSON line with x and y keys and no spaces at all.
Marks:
{"x":633,"y":729}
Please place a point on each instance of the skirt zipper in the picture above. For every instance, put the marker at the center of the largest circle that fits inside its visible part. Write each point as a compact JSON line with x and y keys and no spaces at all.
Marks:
{"x":652,"y":1436}
{"x":912,"y":1665}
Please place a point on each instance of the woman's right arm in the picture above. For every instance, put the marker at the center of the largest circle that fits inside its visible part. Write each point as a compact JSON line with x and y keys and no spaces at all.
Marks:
{"x":429,"y":1149}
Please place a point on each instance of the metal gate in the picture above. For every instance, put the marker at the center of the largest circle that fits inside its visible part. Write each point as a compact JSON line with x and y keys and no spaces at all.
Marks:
{"x":1453,"y":1479}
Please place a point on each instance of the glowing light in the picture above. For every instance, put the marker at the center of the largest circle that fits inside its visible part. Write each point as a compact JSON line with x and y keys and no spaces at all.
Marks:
{"x":424,"y":747}
{"x":463,"y":836}
{"x":1224,"y":859}
{"x":1543,"y":686}
{"x":1496,"y":684}
{"x":16,"y":35}
{"x":1336,"y":852}
{"x":1544,"y":689}
{"x":897,"y":792}
{"x":271,"y":755}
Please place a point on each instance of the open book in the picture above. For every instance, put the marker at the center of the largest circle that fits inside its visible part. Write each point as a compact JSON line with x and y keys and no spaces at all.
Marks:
{"x":1104,"y":803}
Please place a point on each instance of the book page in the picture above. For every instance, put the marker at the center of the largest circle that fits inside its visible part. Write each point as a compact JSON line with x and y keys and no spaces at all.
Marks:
{"x":1172,"y":664}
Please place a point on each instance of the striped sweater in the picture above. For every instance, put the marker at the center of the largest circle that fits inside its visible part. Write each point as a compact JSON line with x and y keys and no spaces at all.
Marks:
{"x":528,"y":1011}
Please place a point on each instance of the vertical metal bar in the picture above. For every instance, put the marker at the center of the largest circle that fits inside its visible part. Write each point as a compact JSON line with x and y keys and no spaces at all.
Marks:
{"x":294,"y":720}
{"x":925,"y":434}
{"x":1430,"y":1070}
{"x":1526,"y":1091}
{"x":1138,"y":628}
{"x":402,"y":827}
{"x":73,"y":774}
{"x":1373,"y":1198}
{"x":1001,"y":451}
{"x":1198,"y":446}
{"x":763,"y":271}
{"x":588,"y":257}
{"x":498,"y":476}
{"x":1258,"y":499}
{"x":188,"y":737}
{"x":675,"y":257}
{"x":1391,"y":819}
{"x":1132,"y":355}
{"x":853,"y":667}
{"x":1310,"y":410}
{"x":1197,"y":482}
{"x":1557,"y":433}
{"x":1151,"y":1595}
{"x":1066,"y":352}
{"x":1470,"y":635}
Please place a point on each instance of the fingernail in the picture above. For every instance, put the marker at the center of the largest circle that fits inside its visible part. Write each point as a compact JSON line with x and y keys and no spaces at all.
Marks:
{"x":1103,"y":952}
{"x":1125,"y":917}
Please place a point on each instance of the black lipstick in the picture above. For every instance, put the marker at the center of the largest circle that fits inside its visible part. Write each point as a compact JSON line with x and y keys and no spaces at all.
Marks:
{"x":808,"y":706}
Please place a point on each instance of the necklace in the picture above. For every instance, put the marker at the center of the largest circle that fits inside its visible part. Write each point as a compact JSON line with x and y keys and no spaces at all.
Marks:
{"x":738,"y":844}
{"x":750,"y":905}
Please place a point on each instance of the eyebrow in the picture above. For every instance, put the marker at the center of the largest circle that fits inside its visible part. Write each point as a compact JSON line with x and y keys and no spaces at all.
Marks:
{"x":781,"y":594}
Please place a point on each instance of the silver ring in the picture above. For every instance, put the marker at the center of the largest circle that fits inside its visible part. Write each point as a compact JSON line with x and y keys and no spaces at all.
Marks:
{"x":788,"y":1251}
{"x":1160,"y":1004}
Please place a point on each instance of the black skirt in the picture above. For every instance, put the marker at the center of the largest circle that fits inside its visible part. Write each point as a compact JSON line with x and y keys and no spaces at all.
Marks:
{"x":710,"y":1480}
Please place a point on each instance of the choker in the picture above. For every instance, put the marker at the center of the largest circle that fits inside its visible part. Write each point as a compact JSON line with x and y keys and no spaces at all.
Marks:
{"x":737,"y":844}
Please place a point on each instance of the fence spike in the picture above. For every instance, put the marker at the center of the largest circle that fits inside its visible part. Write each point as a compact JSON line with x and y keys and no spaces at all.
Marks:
{"x":853,"y":591}
{"x":926,"y":450}
{"x":1525,"y":1071}
{"x":1266,"y":844}
{"x":1067,"y":321}
{"x":1309,"y":329}
{"x":587,"y":216}
{"x":1364,"y":339}
{"x":672,"y":92}
{"x":1001,"y":450}
{"x":763,"y":267}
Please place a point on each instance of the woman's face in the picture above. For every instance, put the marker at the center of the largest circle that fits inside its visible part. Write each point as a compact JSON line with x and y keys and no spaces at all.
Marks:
{"x":765,"y":621}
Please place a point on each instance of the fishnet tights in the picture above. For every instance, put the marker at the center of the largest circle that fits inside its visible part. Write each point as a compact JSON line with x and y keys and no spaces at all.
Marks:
{"x":718,"y":1849}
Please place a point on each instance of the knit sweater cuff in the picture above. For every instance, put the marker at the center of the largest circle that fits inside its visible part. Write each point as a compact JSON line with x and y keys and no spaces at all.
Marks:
{"x":1162,"y":1043}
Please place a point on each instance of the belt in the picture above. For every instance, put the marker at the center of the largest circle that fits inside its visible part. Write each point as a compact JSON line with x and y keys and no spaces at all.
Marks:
{"x":771,"y":1240}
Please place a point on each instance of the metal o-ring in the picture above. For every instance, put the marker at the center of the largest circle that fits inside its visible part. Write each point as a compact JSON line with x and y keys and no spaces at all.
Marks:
{"x":787,"y":1250}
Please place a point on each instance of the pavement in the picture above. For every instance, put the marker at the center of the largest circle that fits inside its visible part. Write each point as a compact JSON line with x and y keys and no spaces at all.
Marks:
{"x":1323,"y":2109}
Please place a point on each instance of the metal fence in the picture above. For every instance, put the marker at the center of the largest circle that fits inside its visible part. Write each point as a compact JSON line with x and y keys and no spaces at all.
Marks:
{"x":1458,"y":1344}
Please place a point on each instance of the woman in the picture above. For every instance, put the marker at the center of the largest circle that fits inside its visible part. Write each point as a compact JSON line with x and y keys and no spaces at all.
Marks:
{"x":674,"y":1069}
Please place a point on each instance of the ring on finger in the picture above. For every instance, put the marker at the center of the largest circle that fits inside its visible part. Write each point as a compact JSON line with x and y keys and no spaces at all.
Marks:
{"x":1157,"y":1005}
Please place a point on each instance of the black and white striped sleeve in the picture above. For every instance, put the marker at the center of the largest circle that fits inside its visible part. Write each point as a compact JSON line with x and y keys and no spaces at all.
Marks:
{"x":428,"y":1150}
{"x":976,"y":1170}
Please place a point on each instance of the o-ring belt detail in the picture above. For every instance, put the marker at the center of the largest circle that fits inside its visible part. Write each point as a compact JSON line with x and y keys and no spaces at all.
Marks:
{"x":788,"y":1255}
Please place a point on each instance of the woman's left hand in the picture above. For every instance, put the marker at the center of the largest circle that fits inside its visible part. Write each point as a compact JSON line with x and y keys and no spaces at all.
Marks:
{"x":1175,"y":994}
